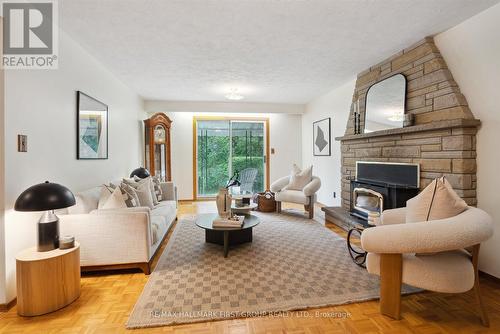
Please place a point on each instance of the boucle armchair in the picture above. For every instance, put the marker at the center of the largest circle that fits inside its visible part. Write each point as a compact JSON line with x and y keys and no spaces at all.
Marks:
{"x":306,"y":196}
{"x":441,"y":264}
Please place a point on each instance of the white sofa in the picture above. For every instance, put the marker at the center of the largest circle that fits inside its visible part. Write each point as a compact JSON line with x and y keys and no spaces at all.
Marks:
{"x":118,"y":238}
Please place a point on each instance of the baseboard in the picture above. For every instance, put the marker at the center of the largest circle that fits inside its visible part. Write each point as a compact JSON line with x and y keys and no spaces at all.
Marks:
{"x":185,"y":200}
{"x":208,"y":199}
{"x":113,"y":267}
{"x":6,"y":307}
{"x":489,"y":276}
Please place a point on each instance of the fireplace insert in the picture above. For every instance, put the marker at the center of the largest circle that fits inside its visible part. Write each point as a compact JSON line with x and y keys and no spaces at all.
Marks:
{"x":380,"y":186}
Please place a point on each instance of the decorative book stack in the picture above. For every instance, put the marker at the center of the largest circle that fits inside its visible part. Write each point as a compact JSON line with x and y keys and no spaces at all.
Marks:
{"x":231,"y":222}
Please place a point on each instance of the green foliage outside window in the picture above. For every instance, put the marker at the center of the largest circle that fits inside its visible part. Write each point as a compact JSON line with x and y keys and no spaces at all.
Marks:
{"x":213,"y":158}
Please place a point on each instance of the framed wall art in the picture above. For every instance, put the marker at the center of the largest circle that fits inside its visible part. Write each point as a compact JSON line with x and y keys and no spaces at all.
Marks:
{"x":322,"y":137}
{"x":92,"y":128}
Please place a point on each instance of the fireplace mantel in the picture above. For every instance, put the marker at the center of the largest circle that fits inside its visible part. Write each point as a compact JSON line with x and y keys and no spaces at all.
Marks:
{"x":448,"y":124}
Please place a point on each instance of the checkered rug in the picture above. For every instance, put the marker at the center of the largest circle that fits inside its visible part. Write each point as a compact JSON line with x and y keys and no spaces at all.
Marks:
{"x":293,"y":263}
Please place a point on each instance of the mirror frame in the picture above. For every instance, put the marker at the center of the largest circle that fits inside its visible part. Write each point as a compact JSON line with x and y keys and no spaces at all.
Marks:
{"x":376,"y":83}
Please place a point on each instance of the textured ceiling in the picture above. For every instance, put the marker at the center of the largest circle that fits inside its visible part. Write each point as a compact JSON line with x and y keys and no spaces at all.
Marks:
{"x":272,"y":51}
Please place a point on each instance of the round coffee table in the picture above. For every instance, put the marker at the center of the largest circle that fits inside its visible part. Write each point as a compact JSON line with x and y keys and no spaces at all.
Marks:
{"x":227,"y":236}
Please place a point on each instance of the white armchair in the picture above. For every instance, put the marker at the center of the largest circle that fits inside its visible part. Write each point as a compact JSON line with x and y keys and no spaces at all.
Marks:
{"x":442,"y":263}
{"x":306,"y":196}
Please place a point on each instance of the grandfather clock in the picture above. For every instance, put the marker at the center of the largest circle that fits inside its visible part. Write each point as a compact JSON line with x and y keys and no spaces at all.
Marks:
{"x":157,"y":146}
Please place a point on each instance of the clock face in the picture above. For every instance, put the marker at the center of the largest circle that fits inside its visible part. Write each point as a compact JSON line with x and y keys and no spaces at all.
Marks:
{"x":159,"y":134}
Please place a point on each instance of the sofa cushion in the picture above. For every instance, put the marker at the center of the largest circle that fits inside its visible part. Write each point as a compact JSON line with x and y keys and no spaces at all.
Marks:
{"x":169,"y":191}
{"x":143,"y":192}
{"x":143,"y":184}
{"x":294,"y":196}
{"x":447,"y":272}
{"x":132,"y":200}
{"x":437,"y":201}
{"x":114,"y":200}
{"x":86,"y":201}
{"x":157,"y":187}
{"x":149,"y":181}
{"x":299,"y":178}
{"x":158,"y":227}
{"x":164,"y":208}
{"x":121,"y":211}
{"x":128,"y":192}
{"x":104,"y":195}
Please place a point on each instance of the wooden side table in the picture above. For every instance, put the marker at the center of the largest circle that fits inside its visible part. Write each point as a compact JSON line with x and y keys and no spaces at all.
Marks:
{"x":47,"y":281}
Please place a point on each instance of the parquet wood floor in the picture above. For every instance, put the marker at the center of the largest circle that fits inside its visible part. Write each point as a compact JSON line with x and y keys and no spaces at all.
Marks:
{"x":108,"y":298}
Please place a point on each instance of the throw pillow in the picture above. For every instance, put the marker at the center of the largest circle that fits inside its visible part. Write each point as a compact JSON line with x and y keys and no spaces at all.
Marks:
{"x":148,"y":181}
{"x":299,"y":179}
{"x":104,"y":195}
{"x":157,"y":188}
{"x":132,"y":198}
{"x":437,"y":201}
{"x":129,"y":195}
{"x":143,"y":192}
{"x":114,"y":201}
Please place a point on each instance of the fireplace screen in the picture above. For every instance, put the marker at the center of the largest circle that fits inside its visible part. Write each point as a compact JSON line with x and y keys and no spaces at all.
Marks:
{"x":368,"y":201}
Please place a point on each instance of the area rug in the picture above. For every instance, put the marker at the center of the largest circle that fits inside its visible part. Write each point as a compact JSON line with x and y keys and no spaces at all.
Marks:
{"x":293,"y":263}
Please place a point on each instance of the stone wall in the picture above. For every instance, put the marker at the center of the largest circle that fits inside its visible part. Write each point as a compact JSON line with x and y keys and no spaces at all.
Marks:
{"x":443,"y":140}
{"x":431,"y":93}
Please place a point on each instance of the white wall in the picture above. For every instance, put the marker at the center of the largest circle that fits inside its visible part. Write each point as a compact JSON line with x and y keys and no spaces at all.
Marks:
{"x":223,"y":107}
{"x":285,"y":138}
{"x":42,"y":105}
{"x":334,"y":104}
{"x":2,"y":176}
{"x":472,"y":51}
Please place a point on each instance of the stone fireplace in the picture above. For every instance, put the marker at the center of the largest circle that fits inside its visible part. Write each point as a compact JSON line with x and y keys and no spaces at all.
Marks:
{"x":442,"y":140}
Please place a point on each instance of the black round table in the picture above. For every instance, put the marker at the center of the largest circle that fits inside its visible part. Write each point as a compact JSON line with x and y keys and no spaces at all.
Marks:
{"x":227,"y":236}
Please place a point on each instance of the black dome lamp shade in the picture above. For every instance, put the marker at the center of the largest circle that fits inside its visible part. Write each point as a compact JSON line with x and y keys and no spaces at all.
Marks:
{"x":140,"y":172}
{"x":46,"y":197}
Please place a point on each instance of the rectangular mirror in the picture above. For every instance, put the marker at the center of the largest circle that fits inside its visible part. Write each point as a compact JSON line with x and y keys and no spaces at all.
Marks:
{"x":385,"y":104}
{"x":92,"y":128}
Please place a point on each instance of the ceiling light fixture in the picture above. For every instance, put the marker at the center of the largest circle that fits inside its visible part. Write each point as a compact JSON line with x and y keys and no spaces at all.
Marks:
{"x":233,"y":95}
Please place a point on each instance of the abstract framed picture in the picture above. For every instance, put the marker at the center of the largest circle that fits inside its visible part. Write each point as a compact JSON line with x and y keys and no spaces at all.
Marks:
{"x":322,"y":137}
{"x":92,"y":128}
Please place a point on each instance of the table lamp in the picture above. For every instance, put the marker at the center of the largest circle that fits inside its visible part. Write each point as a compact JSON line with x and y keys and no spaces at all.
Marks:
{"x":233,"y":181}
{"x":46,"y":197}
{"x":140,"y":172}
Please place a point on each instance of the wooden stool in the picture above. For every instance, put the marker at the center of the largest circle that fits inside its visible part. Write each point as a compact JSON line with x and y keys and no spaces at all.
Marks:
{"x":47,"y":281}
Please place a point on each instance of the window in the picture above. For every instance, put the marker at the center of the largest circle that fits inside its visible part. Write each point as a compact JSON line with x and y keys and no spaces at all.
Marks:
{"x":225,"y":147}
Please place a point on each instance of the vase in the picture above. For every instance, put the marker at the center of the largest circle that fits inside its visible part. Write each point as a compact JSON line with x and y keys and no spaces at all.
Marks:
{"x":223,"y":201}
{"x":408,"y":120}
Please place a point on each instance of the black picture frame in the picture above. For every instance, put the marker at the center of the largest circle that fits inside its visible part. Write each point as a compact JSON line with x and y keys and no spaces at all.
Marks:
{"x":85,"y":146}
{"x":325,"y":140}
